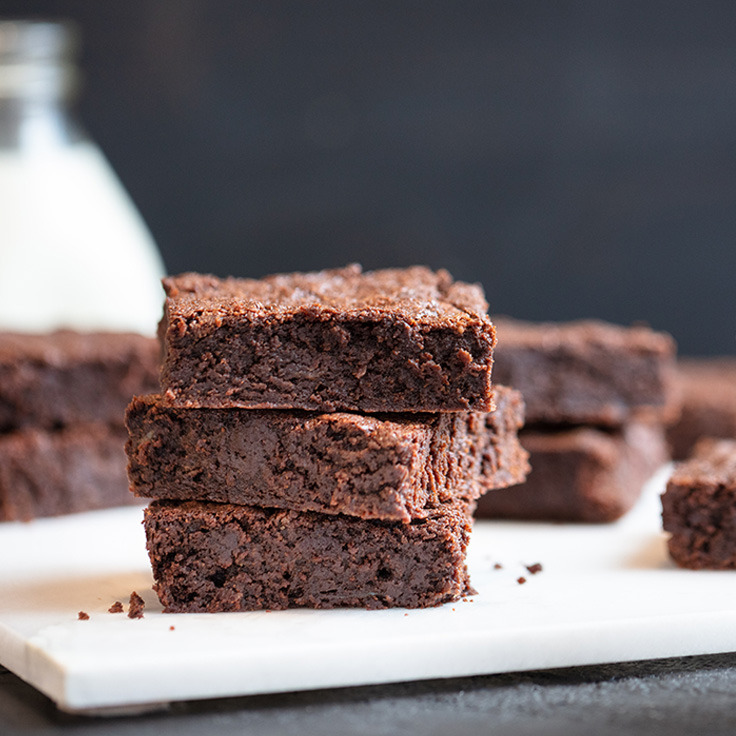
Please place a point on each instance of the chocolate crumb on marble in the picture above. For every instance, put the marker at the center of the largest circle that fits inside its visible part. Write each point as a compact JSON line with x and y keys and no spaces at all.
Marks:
{"x":136,"y":606}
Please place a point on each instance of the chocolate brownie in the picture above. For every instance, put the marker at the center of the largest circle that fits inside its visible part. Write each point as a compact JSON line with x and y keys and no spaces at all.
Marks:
{"x":708,"y":390}
{"x":699,"y":507}
{"x":372,"y":466}
{"x":211,"y":557}
{"x":65,"y":377}
{"x":581,"y":474}
{"x":394,"y":340}
{"x":587,"y":372}
{"x":79,"y":468}
{"x":503,"y":460}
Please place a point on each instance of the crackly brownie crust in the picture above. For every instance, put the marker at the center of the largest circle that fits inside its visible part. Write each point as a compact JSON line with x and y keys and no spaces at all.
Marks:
{"x":587,"y":372}
{"x":375,"y":466}
{"x":389,"y":340}
{"x":66,"y":377}
{"x":210,"y":557}
{"x":699,"y":507}
{"x":79,"y":468}
{"x":708,"y":390}
{"x":583,"y":474}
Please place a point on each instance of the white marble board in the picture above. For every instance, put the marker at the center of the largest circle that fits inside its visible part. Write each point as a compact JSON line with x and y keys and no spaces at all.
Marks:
{"x":606,"y":594}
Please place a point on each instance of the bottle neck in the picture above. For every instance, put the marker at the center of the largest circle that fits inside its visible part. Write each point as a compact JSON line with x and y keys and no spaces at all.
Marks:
{"x":36,"y":124}
{"x":38,"y":83}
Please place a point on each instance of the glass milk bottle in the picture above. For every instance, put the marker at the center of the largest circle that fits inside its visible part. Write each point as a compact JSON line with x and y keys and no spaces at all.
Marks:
{"x":74,"y":251}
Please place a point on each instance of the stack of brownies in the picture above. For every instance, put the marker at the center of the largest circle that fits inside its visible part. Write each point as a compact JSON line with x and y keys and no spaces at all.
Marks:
{"x":598,"y":400}
{"x":320,"y":440}
{"x":62,"y":400}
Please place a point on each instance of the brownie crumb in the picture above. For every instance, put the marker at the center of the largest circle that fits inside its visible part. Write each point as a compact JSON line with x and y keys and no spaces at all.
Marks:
{"x":135,"y":609}
{"x":82,"y":616}
{"x":535,"y":568}
{"x":116,"y":607}
{"x":521,"y":580}
{"x":498,"y":566}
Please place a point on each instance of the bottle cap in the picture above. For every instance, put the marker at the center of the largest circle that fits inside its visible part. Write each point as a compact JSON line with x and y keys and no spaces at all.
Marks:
{"x":37,"y":58}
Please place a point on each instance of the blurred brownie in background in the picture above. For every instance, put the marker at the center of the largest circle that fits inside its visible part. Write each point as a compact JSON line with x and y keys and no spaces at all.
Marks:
{"x":65,"y":471}
{"x":65,"y":377}
{"x":587,"y":372}
{"x":699,"y":507}
{"x":584,"y":474}
{"x":707,"y":387}
{"x":598,"y":398}
{"x":62,"y":404}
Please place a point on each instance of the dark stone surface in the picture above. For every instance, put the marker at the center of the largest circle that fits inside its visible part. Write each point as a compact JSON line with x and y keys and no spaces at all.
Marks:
{"x":656,"y":698}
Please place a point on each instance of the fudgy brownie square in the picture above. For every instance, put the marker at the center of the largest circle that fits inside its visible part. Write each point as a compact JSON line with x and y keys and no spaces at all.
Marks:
{"x":75,"y":469}
{"x":393,"y":340}
{"x":587,"y":372}
{"x":708,"y":390}
{"x":209,"y":557}
{"x":581,"y":474}
{"x":389,"y":466}
{"x":699,"y":507}
{"x":66,"y":377}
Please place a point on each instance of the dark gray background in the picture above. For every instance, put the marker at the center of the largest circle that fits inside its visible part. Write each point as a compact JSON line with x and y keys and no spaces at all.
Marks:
{"x":576,"y":158}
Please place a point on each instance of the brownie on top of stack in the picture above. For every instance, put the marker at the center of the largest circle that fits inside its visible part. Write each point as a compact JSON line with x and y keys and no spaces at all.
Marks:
{"x":320,"y":439}
{"x":598,"y":400}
